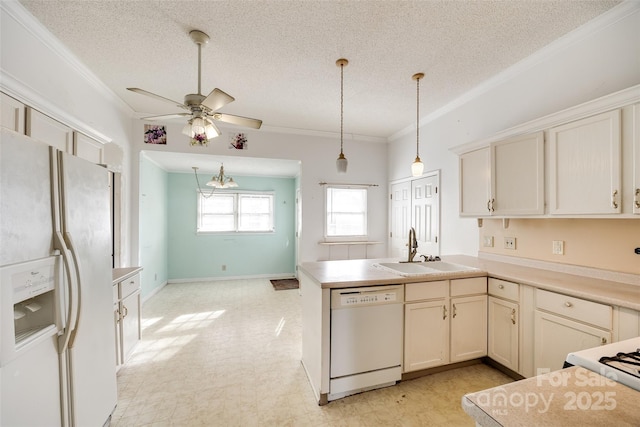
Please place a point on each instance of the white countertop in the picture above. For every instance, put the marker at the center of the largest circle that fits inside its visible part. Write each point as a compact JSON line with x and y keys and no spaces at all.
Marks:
{"x":361,"y":272}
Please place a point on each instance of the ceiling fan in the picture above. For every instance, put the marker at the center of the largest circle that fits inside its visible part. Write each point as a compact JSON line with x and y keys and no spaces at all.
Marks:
{"x":201,"y":109}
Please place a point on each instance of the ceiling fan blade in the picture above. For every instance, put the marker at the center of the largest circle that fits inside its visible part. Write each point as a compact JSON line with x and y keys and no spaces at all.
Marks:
{"x":161,"y":98}
{"x":217,"y":99}
{"x":238,"y":120}
{"x":166,"y":116}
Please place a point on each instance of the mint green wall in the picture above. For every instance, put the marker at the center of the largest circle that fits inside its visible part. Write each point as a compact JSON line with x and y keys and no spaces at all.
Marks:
{"x":193,"y":256}
{"x":153,"y":226}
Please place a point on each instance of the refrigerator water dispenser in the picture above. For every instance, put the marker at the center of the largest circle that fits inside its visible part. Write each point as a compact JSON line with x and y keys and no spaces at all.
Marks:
{"x":29,"y":291}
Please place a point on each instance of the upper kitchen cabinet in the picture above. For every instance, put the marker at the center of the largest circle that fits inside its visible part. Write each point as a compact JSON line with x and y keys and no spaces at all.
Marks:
{"x":504,"y":179}
{"x":88,"y":148}
{"x":475,"y":183}
{"x":585,"y":166}
{"x":11,"y":113}
{"x":49,"y":131}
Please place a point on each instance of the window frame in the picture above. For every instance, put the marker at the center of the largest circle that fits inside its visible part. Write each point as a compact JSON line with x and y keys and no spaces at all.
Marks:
{"x":237,"y":195}
{"x":349,"y":237}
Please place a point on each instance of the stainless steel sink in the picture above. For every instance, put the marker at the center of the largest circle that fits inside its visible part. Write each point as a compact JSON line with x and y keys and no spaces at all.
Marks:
{"x":412,"y":269}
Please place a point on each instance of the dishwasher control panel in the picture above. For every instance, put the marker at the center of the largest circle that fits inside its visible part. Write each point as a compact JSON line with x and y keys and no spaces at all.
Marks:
{"x":342,"y":298}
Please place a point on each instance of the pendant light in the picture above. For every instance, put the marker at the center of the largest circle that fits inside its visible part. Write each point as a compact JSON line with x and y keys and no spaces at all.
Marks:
{"x":417,"y":167}
{"x":341,"y":162}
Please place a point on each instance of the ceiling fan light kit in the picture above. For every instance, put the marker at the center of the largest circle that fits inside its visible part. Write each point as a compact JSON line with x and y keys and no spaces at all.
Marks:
{"x":417,"y":167}
{"x":201,"y":110}
{"x":341,"y":162}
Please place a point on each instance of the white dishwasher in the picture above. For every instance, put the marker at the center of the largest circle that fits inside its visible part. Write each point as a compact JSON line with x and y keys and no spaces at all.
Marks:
{"x":366,"y":339}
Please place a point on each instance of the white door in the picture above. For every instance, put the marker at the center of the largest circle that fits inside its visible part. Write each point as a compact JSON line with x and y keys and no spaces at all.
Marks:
{"x":400,"y":219}
{"x":425,"y":202}
{"x":636,"y":159}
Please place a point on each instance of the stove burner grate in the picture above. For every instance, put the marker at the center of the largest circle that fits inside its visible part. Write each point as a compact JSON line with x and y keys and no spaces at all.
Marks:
{"x":625,"y":362}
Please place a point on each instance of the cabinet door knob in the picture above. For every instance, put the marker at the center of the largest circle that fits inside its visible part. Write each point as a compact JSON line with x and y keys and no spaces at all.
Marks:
{"x":454,"y":311}
{"x":614,"y":199}
{"x":568,"y":304}
{"x":444,"y":312}
{"x":603,"y":341}
{"x":126,"y":311}
{"x":636,"y":198}
{"x":500,"y":286}
{"x":513,"y":316}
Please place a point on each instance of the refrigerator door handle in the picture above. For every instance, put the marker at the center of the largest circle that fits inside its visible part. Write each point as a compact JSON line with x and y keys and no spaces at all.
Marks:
{"x":63,"y":340}
{"x":69,"y":240}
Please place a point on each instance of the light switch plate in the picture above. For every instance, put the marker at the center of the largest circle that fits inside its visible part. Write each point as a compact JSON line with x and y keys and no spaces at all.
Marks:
{"x":488,"y":241}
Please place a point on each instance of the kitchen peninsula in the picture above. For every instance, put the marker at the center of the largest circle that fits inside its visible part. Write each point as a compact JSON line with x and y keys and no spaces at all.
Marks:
{"x":617,"y":295}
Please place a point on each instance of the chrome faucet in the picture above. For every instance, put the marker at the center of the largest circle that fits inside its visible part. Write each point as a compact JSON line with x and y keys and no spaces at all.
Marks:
{"x":413,"y":244}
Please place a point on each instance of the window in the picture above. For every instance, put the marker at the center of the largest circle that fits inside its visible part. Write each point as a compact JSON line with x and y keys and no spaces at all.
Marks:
{"x":236,"y":212}
{"x":346,"y":212}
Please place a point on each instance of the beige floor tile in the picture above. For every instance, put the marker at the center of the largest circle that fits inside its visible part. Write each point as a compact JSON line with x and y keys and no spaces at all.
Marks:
{"x":228,"y":354}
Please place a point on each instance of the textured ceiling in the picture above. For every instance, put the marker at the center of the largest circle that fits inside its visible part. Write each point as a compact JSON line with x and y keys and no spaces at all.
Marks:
{"x":277,"y":58}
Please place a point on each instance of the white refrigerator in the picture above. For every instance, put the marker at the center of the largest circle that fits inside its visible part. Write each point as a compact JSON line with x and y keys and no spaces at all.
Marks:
{"x":57,"y":337}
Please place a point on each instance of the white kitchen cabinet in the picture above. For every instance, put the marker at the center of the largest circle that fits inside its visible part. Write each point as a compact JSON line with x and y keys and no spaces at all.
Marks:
{"x":503,"y":339}
{"x":468,"y":327}
{"x":504,"y":179}
{"x":475,"y":183}
{"x":12,"y":113}
{"x":627,"y":323}
{"x":517,"y":176}
{"x":566,"y":324}
{"x":433,"y":335}
{"x":503,"y":336}
{"x":127,"y":316}
{"x":426,"y":335}
{"x":49,"y":131}
{"x":585,"y":166}
{"x":88,"y":148}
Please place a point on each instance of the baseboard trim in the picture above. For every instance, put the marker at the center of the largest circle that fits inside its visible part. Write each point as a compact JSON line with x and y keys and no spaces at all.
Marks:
{"x":222,"y":278}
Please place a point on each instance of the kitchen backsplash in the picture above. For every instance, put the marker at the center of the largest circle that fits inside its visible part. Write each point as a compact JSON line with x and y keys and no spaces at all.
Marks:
{"x":607,"y":244}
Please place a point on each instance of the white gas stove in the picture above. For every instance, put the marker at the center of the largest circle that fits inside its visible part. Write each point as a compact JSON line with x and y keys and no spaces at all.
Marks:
{"x":619,"y":361}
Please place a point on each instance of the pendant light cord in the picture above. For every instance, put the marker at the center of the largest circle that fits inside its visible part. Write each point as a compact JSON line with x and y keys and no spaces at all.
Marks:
{"x":417,"y":117}
{"x":341,"y":104}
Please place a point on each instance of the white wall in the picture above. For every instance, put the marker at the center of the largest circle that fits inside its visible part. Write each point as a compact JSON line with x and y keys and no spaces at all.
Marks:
{"x":317,"y":154}
{"x":599,"y":58}
{"x":36,"y":70}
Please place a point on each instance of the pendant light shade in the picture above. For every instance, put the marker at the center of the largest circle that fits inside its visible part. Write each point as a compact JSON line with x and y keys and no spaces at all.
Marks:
{"x":417,"y":167}
{"x":217,"y":181}
{"x":341,"y":162}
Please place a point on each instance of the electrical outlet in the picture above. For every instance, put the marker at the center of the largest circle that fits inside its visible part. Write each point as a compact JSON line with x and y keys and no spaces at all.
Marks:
{"x":558,"y":247}
{"x":510,"y":243}
{"x":488,"y":241}
{"x":224,"y":267}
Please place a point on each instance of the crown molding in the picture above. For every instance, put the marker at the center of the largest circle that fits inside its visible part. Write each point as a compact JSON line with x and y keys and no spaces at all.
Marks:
{"x":615,"y":100}
{"x":597,"y":24}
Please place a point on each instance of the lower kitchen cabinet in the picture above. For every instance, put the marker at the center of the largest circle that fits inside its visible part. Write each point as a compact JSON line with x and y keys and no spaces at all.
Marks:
{"x":566,"y":324}
{"x":445,"y":322}
{"x":127,"y":317}
{"x":503,"y":333}
{"x":468,"y":327}
{"x":426,"y":335}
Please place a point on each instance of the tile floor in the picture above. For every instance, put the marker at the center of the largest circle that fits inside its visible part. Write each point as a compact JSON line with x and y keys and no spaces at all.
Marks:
{"x":228,"y":354}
